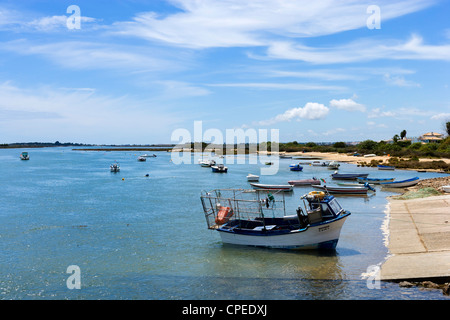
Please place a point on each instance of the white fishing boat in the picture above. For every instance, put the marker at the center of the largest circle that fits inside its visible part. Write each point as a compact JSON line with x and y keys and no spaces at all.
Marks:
{"x":207,"y":163}
{"x":446,"y":189}
{"x":114,"y":167}
{"x":252,"y":177}
{"x":220,"y":168}
{"x":333,"y":165}
{"x":401,"y":184}
{"x":273,"y":187}
{"x":24,"y":156}
{"x":141,"y":158}
{"x":258,"y":218}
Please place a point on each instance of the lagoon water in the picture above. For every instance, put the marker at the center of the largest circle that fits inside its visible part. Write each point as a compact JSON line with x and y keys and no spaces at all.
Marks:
{"x":138,"y":237}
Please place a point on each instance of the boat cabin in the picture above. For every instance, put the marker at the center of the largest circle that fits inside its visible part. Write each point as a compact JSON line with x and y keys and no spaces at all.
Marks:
{"x":319,"y":207}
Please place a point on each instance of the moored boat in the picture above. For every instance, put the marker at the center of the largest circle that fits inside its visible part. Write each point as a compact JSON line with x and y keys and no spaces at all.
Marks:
{"x":24,"y":156}
{"x":258,"y":218}
{"x":374,"y":180}
{"x":114,"y":167}
{"x":446,"y":189}
{"x":207,"y":163}
{"x":252,"y":177}
{"x":219,"y":168}
{"x":304,"y":182}
{"x":401,"y":184}
{"x":348,"y":176}
{"x":382,"y":167}
{"x":295,"y":167}
{"x":142,"y":158}
{"x":346,"y":190}
{"x":273,"y":187}
{"x":333,"y":165}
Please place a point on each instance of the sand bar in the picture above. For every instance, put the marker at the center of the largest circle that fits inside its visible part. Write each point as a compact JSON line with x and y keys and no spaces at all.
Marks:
{"x":343,"y":157}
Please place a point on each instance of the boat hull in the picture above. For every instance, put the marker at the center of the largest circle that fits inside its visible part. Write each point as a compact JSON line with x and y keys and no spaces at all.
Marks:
{"x":401,"y":184}
{"x":324,"y":235}
{"x":344,"y":190}
{"x":380,"y":167}
{"x":344,"y":176}
{"x":374,"y":180}
{"x":272,"y":187}
{"x":306,"y":182}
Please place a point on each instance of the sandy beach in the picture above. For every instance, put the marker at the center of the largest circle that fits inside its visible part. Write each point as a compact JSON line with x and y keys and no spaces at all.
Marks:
{"x":342,"y":157}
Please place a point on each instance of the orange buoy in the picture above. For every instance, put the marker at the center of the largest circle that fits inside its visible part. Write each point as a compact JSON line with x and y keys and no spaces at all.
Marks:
{"x":224,"y":215}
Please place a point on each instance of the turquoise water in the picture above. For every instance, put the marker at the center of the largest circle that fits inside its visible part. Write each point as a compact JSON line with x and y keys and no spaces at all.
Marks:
{"x":138,"y":237}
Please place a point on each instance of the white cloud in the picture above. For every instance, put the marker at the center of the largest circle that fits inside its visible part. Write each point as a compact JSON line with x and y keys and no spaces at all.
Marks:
{"x":399,"y":81}
{"x":347,"y":104}
{"x":377,"y":113}
{"x":311,"y":111}
{"x":360,"y":50}
{"x":441,"y":116}
{"x":234,"y":23}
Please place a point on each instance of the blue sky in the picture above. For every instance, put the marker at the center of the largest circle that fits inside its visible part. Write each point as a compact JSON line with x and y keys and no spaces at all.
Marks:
{"x":137,"y":70}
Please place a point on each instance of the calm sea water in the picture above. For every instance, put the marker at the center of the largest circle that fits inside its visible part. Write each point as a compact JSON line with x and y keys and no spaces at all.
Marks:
{"x":138,"y":237}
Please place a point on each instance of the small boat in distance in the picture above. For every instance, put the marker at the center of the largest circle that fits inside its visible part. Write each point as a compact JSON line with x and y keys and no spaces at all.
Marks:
{"x":141,"y":158}
{"x":269,"y":163}
{"x":252,"y":177}
{"x":333,"y":165}
{"x":258,"y":218}
{"x":273,"y":187}
{"x":348,"y":176}
{"x":295,"y":167}
{"x":207,"y":163}
{"x":374,"y":180}
{"x":114,"y":167}
{"x":220,"y":168}
{"x":304,"y":182}
{"x":382,"y":167}
{"x":401,"y":184}
{"x":24,"y":156}
{"x":149,"y":156}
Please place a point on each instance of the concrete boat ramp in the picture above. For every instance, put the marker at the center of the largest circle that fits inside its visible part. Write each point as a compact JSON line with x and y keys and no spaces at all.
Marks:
{"x":419,"y":240}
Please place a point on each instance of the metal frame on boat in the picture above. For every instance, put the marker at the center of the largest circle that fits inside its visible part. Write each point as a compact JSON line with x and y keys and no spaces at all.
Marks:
{"x":258,"y":218}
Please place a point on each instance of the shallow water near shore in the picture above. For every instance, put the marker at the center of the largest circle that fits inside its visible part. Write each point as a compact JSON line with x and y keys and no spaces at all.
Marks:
{"x":138,"y":237}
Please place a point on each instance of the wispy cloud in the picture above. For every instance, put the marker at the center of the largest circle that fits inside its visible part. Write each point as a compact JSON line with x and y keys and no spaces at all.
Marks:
{"x":360,"y":50}
{"x":399,"y":81}
{"x":279,"y":86}
{"x":236,"y":23}
{"x":78,"y":113}
{"x":91,"y":55}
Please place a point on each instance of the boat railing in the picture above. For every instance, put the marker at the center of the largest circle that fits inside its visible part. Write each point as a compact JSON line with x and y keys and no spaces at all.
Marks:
{"x":243,"y":205}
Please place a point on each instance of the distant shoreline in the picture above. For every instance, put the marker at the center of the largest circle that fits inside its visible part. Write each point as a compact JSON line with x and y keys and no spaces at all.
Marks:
{"x":124,"y":149}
